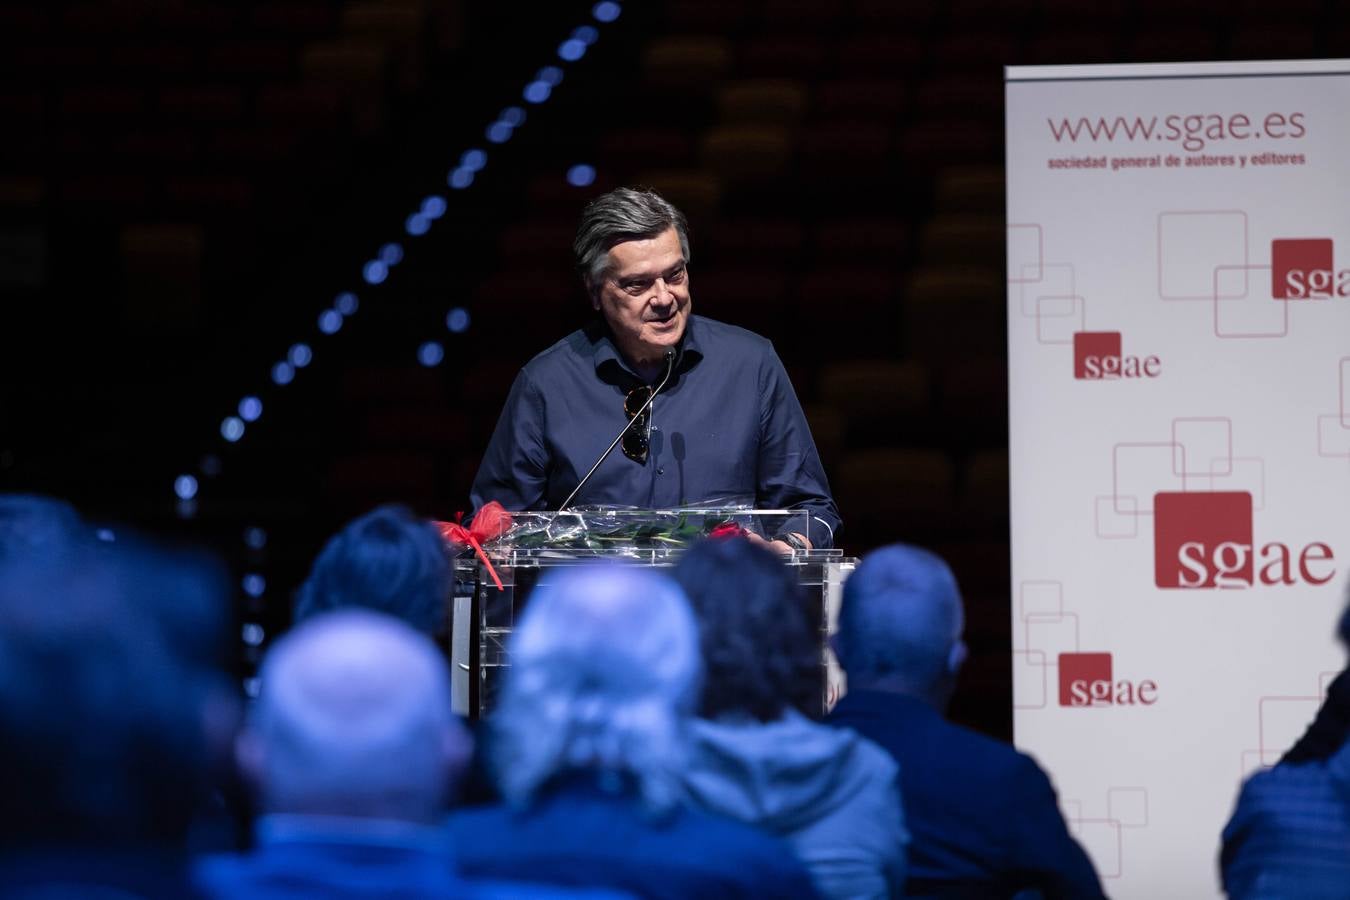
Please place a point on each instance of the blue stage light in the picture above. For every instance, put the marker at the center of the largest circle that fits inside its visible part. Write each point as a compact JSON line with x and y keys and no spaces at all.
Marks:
{"x":461,"y":178}
{"x":347,"y":303}
{"x":330,"y":320}
{"x":430,"y":354}
{"x":581,"y":175}
{"x":513,"y":116}
{"x":473,"y":160}
{"x":282,"y":373}
{"x":255,"y":538}
{"x":550,"y":75}
{"x":391,"y":254}
{"x":457,"y":320}
{"x":417,"y":225}
{"x":106,"y":535}
{"x":375,"y":272}
{"x":606,"y":11}
{"x":587,"y":34}
{"x":254,"y":584}
{"x":434,"y":206}
{"x":300,"y":355}
{"x":499,"y":132}
{"x":253,"y":633}
{"x":537,"y":91}
{"x":250,"y":408}
{"x":572,"y":49}
{"x":232,"y":429}
{"x":185,"y":487}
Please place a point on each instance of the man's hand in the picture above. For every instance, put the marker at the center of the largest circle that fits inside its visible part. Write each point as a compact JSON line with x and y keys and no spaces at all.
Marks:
{"x":783,"y":548}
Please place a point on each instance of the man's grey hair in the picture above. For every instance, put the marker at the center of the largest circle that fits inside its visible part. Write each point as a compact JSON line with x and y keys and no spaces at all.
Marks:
{"x":623,"y":214}
{"x":900,"y":618}
{"x":605,"y":672}
{"x":353,"y":719}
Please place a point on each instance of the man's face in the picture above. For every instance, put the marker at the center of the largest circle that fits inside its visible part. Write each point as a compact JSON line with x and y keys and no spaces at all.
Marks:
{"x":644,"y":295}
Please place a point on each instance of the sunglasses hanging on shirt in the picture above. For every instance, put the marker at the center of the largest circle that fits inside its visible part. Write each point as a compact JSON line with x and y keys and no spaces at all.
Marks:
{"x":637,"y":440}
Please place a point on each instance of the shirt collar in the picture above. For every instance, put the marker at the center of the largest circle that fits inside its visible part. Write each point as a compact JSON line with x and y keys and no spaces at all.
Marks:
{"x":284,"y":828}
{"x":605,"y":352}
{"x":885,"y":704}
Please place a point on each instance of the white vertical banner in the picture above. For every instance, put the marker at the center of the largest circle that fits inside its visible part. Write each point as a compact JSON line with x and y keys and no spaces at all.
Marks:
{"x":1179,"y":354}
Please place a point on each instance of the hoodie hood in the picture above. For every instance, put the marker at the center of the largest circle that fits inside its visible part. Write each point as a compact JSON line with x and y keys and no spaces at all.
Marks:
{"x":781,"y":775}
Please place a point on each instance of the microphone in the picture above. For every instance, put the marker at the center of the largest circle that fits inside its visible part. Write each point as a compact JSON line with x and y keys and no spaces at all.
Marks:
{"x":670,"y":369}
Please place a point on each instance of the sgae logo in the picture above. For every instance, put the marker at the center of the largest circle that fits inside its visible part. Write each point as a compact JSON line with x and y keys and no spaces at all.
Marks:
{"x":1303,"y":269}
{"x":1204,"y":540}
{"x":1085,"y":679}
{"x":1097,"y":356}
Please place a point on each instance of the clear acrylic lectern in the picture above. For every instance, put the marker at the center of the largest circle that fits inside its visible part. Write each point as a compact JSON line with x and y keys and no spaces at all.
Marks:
{"x":483,"y":616}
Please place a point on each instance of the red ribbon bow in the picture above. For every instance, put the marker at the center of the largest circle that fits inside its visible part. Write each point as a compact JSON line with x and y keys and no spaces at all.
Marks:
{"x":727,"y":530}
{"x":491,"y":522}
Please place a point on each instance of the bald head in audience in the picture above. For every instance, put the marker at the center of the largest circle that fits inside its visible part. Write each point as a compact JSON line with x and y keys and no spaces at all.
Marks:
{"x":900,"y":625}
{"x":353,"y":719}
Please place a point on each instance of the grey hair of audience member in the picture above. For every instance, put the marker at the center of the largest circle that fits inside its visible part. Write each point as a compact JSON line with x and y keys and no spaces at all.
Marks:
{"x":605,"y":673}
{"x":900,"y":622}
{"x":353,"y":719}
{"x":623,"y":214}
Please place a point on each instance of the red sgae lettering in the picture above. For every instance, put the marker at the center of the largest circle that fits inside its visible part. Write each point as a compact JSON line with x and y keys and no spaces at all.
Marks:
{"x":1085,"y":680}
{"x":1204,"y":540}
{"x":1097,"y":356}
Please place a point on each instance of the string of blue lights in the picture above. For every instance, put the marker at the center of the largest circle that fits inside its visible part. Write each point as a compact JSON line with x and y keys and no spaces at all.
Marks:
{"x":418,"y":223}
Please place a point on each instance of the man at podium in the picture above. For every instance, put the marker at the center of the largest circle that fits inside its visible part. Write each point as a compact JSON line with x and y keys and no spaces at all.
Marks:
{"x":714,"y":418}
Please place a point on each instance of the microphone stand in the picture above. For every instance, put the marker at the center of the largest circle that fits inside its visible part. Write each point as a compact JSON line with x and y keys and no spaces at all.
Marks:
{"x":670,"y":369}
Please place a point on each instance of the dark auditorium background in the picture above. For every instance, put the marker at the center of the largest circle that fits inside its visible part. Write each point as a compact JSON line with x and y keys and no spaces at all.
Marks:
{"x":256,"y":280}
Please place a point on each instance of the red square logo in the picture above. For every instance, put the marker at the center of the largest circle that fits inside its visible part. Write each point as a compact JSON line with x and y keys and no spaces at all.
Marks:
{"x":1301,"y":268}
{"x":1085,"y":679}
{"x":1096,"y":354}
{"x":1202,"y":540}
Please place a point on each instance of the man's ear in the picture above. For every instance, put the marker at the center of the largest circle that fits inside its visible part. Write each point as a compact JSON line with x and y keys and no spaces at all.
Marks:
{"x":592,"y":291}
{"x":956,"y":657}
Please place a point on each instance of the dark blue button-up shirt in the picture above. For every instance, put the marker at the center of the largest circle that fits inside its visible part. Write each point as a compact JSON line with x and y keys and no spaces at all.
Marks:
{"x":727,"y":428}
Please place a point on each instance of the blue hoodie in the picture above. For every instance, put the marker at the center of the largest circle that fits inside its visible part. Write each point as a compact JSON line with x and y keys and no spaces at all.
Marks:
{"x":832,"y":794}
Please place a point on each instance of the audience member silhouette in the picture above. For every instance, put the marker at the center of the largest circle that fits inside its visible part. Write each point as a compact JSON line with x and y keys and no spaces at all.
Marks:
{"x":983,"y":817}
{"x":1289,"y":835}
{"x":353,"y":752}
{"x":588,"y":747}
{"x":387,"y":560}
{"x":105,"y":728}
{"x":755,"y":756}
{"x":189,"y":595}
